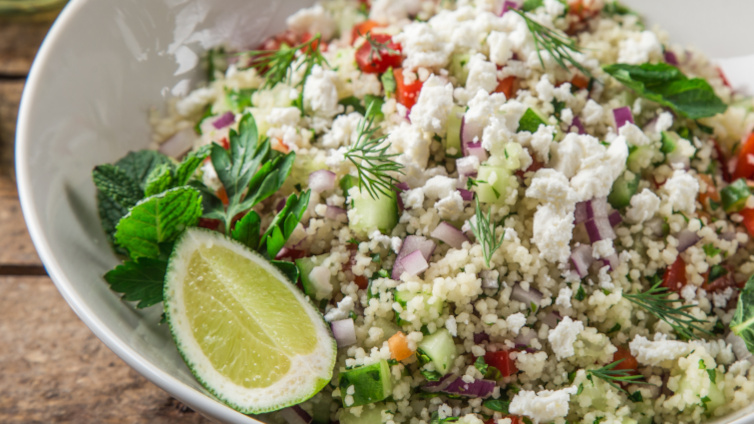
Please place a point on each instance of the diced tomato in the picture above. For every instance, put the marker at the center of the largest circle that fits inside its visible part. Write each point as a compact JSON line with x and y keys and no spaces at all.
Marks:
{"x":502,"y":361}
{"x":745,"y":162}
{"x":515,"y":419}
{"x":362,"y":28}
{"x":748,"y":222}
{"x":675,"y":276}
{"x":582,"y":9}
{"x":398,"y":345}
{"x":406,"y":94}
{"x":580,"y":81}
{"x":274,"y":43}
{"x":721,"y":283}
{"x":223,"y":196}
{"x":376,"y":60}
{"x":710,"y":193}
{"x":629,"y":361}
{"x":534,"y":167}
{"x":225,"y":143}
{"x":210,"y":224}
{"x":505,"y":86}
{"x":361,"y":281}
{"x":291,"y":254}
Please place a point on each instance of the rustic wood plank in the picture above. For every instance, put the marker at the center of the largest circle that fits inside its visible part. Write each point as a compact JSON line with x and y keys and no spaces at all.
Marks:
{"x":16,"y":247}
{"x":55,"y":370}
{"x":20,"y":38}
{"x":10,"y":96}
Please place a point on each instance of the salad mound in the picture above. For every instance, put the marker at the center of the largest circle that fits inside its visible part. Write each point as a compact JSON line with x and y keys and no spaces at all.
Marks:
{"x":506,"y":212}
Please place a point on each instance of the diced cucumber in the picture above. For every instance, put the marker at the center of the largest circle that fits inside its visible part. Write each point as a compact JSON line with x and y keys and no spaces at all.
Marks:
{"x":639,"y":158}
{"x":459,"y":68}
{"x":347,"y":182}
{"x":735,"y":195}
{"x":530,"y":121}
{"x":404,"y":296}
{"x":312,"y":288}
{"x":367,"y":416}
{"x":368,"y":214}
{"x":453,"y":133}
{"x":440,"y":349}
{"x":715,"y":397}
{"x":492,"y":183}
{"x":623,"y":190}
{"x":669,"y":142}
{"x":371,"y":383}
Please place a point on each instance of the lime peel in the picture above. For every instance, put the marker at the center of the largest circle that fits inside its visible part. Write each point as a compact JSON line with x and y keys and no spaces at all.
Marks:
{"x":248,"y":335}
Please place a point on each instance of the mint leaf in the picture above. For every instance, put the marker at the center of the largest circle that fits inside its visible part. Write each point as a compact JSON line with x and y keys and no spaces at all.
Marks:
{"x":138,"y":165}
{"x":160,"y":179}
{"x":190,"y":163}
{"x":742,"y":323}
{"x":140,"y":280}
{"x":117,"y":185}
{"x":668,"y":86}
{"x":158,"y":219}
{"x":247,"y":230}
{"x":110,"y":212}
{"x":283,"y":224}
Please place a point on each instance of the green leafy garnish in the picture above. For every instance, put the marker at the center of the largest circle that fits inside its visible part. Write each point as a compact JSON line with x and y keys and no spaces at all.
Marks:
{"x":668,"y":86}
{"x":276,"y":66}
{"x":373,"y":163}
{"x":140,"y":280}
{"x":559,"y":45}
{"x":735,"y":195}
{"x":157,"y":220}
{"x":388,"y":82}
{"x":742,"y":323}
{"x":710,"y":250}
{"x":498,"y":405}
{"x":657,"y":302}
{"x":481,"y":365}
{"x":484,"y":231}
{"x":283,"y":224}
{"x":612,"y":376}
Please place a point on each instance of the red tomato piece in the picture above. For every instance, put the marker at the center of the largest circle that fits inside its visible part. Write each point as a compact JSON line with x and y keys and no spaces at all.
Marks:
{"x":629,"y":361}
{"x":379,"y":54}
{"x":502,"y":361}
{"x":675,"y":276}
{"x":515,"y":419}
{"x":362,"y":28}
{"x":361,"y":281}
{"x":745,"y":163}
{"x":406,"y":94}
{"x":748,"y":222}
{"x":580,"y":81}
{"x":505,"y":86}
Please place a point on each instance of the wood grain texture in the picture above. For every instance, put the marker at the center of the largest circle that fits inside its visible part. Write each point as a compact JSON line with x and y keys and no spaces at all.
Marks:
{"x":56,"y":371}
{"x":19,"y":40}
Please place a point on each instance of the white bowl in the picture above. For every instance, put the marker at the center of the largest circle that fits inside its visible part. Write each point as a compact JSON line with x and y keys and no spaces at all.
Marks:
{"x":101,"y":68}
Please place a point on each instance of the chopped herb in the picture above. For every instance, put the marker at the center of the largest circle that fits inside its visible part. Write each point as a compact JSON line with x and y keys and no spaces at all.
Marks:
{"x":742,"y":323}
{"x":580,"y":294}
{"x":276,"y":66}
{"x":710,"y":250}
{"x":735,"y":195}
{"x":497,"y":405}
{"x":614,"y":329}
{"x":388,"y":82}
{"x":431,"y":375}
{"x":481,"y":365}
{"x":656,"y":300}
{"x":484,"y":230}
{"x":435,"y":419}
{"x":716,"y":272}
{"x":636,"y":397}
{"x":613,"y":376}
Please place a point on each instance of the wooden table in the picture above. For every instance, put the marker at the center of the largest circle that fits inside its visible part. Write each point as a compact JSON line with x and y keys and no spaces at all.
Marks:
{"x":52,"y":368}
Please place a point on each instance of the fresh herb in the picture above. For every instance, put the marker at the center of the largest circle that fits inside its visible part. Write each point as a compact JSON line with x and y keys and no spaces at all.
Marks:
{"x":435,"y":419}
{"x":372,"y":161}
{"x":657,"y":302}
{"x":614,"y":329}
{"x":239,"y":100}
{"x":636,"y":397}
{"x":668,"y":86}
{"x":716,"y":272}
{"x":388,"y":82}
{"x":580,"y":294}
{"x":497,"y":405}
{"x":710,"y":250}
{"x":484,"y":231}
{"x":711,"y":372}
{"x":481,"y":365}
{"x":141,"y":280}
{"x":559,"y":45}
{"x":283,"y":224}
{"x":377,"y":49}
{"x":742,"y":323}
{"x":431,"y":375}
{"x":613,"y":376}
{"x":735,"y":195}
{"x":277,"y":66}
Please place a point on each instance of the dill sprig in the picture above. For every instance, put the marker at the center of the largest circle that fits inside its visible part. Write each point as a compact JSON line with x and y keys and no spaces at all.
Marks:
{"x":276,"y":66}
{"x":484,"y":231}
{"x":611,"y":376}
{"x":377,"y":48}
{"x":657,"y":302}
{"x":559,"y":45}
{"x":370,"y":157}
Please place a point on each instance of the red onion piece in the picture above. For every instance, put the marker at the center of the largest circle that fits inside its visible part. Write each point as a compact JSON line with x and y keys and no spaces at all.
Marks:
{"x":528,"y":297}
{"x":622,"y":116}
{"x":224,"y":120}
{"x":336,"y":214}
{"x":321,"y":180}
{"x":612,"y":261}
{"x":508,"y":5}
{"x":686,"y":239}
{"x":470,"y":140}
{"x":615,"y":218}
{"x":344,"y":332}
{"x":597,"y":208}
{"x":410,"y":244}
{"x":552,"y":319}
{"x":671,"y":58}
{"x":414,"y":263}
{"x":525,"y":337}
{"x":580,"y":215}
{"x":577,"y":123}
{"x":450,"y":235}
{"x":582,"y":259}
{"x":295,"y":415}
{"x":179,"y":144}
{"x":439,"y":385}
{"x":599,"y":228}
{"x":476,"y":149}
{"x":402,"y":186}
{"x":481,"y":338}
{"x":476,"y":389}
{"x":466,"y":195}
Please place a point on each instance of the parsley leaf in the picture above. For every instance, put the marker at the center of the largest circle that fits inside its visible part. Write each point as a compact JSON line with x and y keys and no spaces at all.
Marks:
{"x":668,"y":86}
{"x":157,"y":220}
{"x":140,"y":280}
{"x":742,"y":323}
{"x":498,"y":405}
{"x":247,"y":230}
{"x":481,"y":365}
{"x":283,"y":224}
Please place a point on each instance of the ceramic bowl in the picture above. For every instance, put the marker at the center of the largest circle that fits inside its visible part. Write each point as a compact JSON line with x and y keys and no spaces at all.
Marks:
{"x":105,"y":63}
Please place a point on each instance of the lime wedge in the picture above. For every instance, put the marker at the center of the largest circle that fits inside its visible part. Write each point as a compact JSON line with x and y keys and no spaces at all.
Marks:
{"x":247,"y":333}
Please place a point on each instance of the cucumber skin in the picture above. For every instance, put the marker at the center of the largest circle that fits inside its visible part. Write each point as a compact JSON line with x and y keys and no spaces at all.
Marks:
{"x":441,"y":349}
{"x":452,"y":140}
{"x":622,"y":192}
{"x":496,"y":192}
{"x":367,"y":214}
{"x":530,"y":121}
{"x":372,"y":383}
{"x":305,"y":266}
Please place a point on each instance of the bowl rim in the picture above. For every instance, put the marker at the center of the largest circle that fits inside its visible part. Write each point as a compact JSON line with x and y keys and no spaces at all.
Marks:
{"x":194,"y":398}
